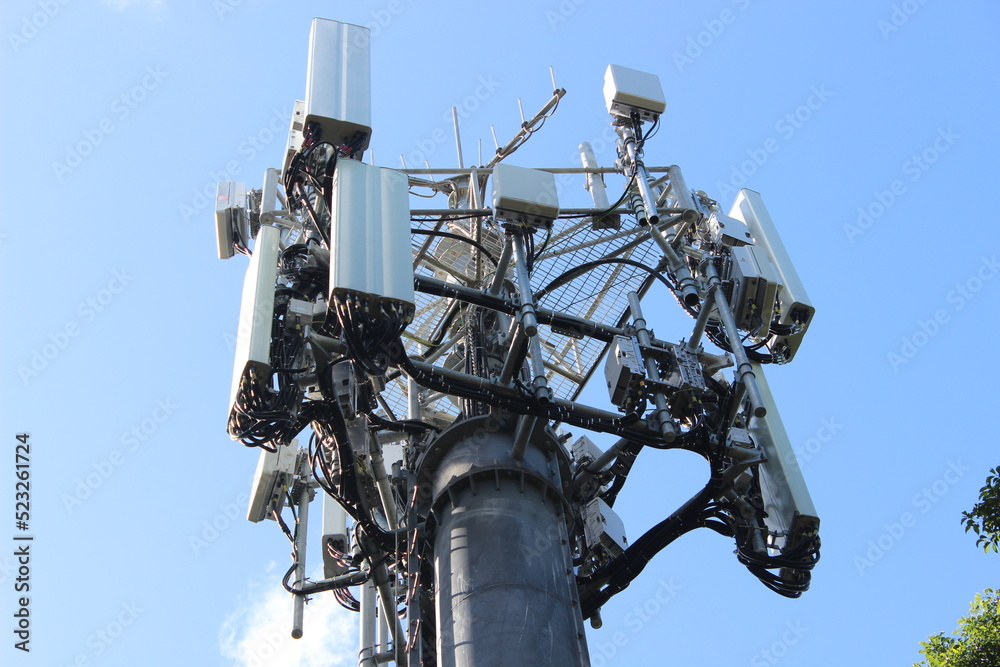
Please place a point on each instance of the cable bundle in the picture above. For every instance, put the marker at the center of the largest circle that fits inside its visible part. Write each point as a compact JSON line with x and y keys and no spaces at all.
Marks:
{"x":371,"y":328}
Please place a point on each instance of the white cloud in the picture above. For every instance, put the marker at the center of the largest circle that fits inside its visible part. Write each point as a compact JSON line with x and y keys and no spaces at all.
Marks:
{"x":259,"y":633}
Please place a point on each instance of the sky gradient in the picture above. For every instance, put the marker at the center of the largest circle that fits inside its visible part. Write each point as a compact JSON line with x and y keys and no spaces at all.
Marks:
{"x":869,"y":128}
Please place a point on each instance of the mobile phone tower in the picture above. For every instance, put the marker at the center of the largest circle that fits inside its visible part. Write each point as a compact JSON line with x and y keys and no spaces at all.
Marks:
{"x":436,"y":357}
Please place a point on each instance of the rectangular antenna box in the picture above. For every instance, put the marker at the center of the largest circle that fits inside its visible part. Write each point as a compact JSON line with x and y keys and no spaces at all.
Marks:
{"x":627,"y":90}
{"x":274,"y":471}
{"x":624,"y":371}
{"x":230,"y":216}
{"x":253,"y":335}
{"x":524,"y":195}
{"x":755,"y":286}
{"x":789,"y":507}
{"x":728,"y":231}
{"x":584,"y":448}
{"x":338,"y":81}
{"x":794,"y":304}
{"x":602,"y":526}
{"x":334,"y":534}
{"x":295,"y":130}
{"x":370,"y":232}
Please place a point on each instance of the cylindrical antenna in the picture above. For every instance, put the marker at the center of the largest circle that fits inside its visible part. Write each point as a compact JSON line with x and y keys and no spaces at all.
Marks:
{"x":458,"y":137}
{"x":495,"y":142}
{"x":521,"y":109}
{"x":480,"y":151}
{"x":403,"y":160}
{"x":552,"y":73}
{"x":298,"y":604}
{"x":366,"y":657}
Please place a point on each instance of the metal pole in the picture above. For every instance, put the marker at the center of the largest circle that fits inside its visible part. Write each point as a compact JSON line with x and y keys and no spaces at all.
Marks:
{"x":413,"y":399}
{"x":699,"y":326}
{"x":528,"y":320}
{"x":382,"y":484}
{"x":444,"y":171}
{"x":503,"y":263}
{"x":681,"y":194}
{"x":529,"y":323}
{"x":643,"y":204}
{"x":384,"y":586}
{"x":648,"y":212}
{"x":595,"y":182}
{"x":302,"y":527}
{"x":598,"y":192}
{"x":526,"y":128}
{"x":686,"y":283}
{"x":744,"y":371}
{"x":502,"y":544}
{"x":563,"y":212}
{"x":458,"y":138}
{"x":366,"y":656}
{"x":663,"y":417}
{"x":414,"y":608}
{"x":384,"y":636}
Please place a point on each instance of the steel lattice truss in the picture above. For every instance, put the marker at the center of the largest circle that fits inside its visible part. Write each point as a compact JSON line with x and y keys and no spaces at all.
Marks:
{"x":598,"y":295}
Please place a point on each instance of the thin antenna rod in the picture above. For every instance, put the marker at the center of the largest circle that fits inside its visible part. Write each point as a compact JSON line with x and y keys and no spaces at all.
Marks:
{"x":458,"y":137}
{"x":480,"y":151}
{"x":403,"y":160}
{"x":552,"y":73}
{"x":494,"y":133}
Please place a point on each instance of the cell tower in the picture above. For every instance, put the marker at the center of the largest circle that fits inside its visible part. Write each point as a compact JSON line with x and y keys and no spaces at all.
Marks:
{"x":436,"y":356}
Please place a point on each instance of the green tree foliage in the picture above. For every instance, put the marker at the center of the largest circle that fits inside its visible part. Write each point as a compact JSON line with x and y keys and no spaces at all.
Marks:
{"x":984,"y":518}
{"x":976,"y":642}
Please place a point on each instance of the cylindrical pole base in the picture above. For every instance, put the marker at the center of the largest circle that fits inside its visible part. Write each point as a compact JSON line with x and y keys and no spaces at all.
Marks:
{"x":505,"y":591}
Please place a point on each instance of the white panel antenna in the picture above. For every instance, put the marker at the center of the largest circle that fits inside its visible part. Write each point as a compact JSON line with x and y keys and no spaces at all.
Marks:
{"x":756,"y":284}
{"x":334,"y":535}
{"x":370,"y":232}
{"x":527,"y":196}
{"x":338,"y":81}
{"x":271,"y":480}
{"x":295,"y":130}
{"x":253,"y":337}
{"x":627,"y":90}
{"x":231,"y":218}
{"x":789,"y":507}
{"x":795,"y":308}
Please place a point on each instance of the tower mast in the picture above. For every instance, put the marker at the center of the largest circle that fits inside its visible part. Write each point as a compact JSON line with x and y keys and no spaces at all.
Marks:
{"x":431,"y":360}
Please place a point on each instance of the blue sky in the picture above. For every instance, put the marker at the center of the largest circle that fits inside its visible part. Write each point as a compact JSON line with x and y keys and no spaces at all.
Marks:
{"x":868,"y":127}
